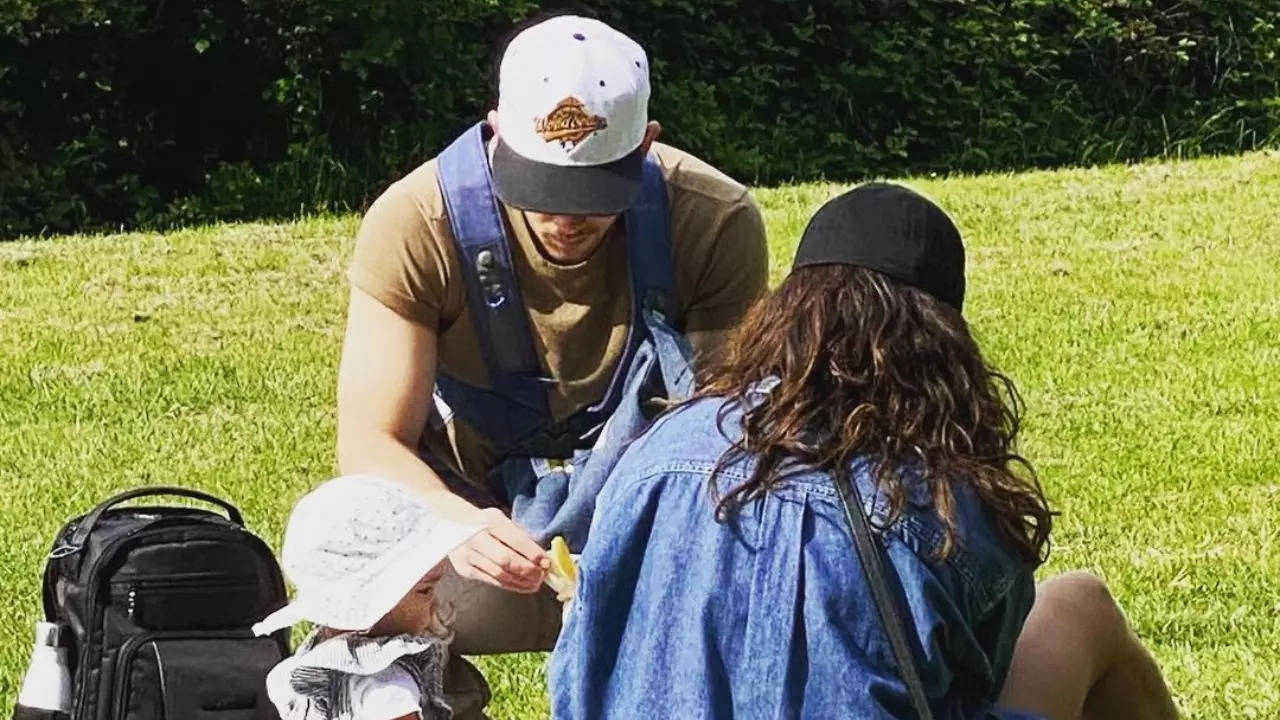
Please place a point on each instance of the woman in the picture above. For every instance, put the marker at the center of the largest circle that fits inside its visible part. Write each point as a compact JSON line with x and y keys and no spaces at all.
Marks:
{"x":720,"y":579}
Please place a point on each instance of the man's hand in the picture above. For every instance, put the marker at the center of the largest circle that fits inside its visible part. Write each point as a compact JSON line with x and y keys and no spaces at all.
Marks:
{"x":504,"y":555}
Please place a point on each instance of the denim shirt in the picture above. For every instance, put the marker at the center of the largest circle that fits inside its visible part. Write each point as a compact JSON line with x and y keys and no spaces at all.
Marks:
{"x":770,"y":616}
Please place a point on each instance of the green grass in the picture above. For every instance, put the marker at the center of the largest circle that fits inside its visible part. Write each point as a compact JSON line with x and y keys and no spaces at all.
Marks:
{"x":1136,"y":307}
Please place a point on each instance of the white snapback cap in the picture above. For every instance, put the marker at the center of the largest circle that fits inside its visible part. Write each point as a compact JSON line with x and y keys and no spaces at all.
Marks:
{"x":573,"y":107}
{"x":354,"y":547}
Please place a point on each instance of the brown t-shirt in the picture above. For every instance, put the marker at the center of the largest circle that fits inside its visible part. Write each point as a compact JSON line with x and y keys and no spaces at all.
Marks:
{"x":405,"y":257}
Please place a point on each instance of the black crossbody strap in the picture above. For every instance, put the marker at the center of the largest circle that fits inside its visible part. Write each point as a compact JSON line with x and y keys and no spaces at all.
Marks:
{"x":869,"y":555}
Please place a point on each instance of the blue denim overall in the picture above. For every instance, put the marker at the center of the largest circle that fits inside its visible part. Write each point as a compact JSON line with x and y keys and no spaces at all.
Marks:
{"x":551,"y":471}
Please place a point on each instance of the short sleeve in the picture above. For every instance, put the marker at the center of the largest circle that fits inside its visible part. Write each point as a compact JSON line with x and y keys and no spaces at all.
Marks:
{"x":403,"y":258}
{"x":733,"y":272}
{"x":386,"y":695}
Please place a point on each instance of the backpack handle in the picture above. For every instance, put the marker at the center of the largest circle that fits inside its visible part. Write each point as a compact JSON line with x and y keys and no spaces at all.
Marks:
{"x":91,"y":520}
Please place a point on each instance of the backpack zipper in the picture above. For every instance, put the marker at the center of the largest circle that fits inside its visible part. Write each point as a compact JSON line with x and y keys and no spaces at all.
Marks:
{"x":160,"y":583}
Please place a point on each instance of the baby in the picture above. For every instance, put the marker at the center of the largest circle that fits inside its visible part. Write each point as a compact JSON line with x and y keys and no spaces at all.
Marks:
{"x":364,"y":554}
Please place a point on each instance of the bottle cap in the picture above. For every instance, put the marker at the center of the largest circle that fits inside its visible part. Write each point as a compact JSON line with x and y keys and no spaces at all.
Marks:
{"x":48,"y":634}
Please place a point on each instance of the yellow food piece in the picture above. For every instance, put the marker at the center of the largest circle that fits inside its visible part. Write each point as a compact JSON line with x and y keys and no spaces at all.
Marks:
{"x":561,"y":562}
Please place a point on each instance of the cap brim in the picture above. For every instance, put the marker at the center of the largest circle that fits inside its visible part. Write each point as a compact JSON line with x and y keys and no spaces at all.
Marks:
{"x":606,"y":189}
{"x":287,"y":616}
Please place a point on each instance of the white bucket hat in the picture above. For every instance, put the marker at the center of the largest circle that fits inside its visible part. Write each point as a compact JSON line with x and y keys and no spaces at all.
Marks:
{"x":354,"y":548}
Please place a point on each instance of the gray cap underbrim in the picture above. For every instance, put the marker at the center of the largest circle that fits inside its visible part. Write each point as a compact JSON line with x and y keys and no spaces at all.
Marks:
{"x":606,"y":189}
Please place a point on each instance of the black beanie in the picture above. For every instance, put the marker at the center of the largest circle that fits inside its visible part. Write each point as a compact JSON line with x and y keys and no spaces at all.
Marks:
{"x":892,"y":230}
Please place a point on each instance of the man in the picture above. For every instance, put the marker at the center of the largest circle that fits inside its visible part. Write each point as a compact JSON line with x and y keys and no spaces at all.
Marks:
{"x":540,"y":277}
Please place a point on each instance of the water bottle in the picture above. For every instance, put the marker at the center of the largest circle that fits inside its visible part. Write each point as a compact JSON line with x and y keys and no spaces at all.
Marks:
{"x":46,"y":689}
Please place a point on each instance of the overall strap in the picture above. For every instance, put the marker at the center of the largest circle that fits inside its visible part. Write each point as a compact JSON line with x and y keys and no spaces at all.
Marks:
{"x":649,"y":250}
{"x":651,"y":257}
{"x":493,"y":297}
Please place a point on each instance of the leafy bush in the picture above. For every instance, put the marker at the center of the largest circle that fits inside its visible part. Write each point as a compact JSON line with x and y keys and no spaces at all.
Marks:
{"x":150,"y":113}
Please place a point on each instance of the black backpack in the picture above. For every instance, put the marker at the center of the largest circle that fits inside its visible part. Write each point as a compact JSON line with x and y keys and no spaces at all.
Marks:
{"x":156,"y":604}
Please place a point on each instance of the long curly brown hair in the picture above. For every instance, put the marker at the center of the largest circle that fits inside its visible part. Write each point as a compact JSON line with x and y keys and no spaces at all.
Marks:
{"x":873,"y":368}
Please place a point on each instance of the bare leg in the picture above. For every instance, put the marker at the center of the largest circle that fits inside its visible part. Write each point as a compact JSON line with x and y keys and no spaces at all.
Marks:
{"x":1077,"y":658}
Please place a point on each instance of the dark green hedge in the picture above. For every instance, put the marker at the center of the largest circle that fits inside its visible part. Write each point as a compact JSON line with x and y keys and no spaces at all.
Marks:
{"x":150,"y":112}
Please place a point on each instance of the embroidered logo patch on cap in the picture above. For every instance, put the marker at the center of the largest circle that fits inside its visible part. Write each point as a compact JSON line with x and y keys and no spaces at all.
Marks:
{"x":569,"y":123}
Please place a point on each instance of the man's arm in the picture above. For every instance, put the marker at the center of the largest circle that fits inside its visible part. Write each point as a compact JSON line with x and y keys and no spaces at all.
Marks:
{"x":733,"y":276}
{"x":384,"y":398}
